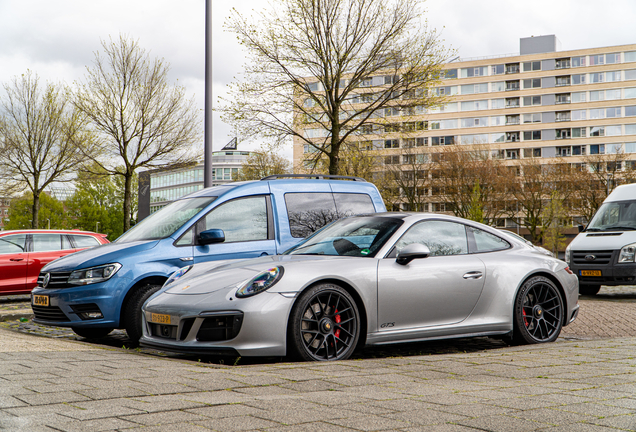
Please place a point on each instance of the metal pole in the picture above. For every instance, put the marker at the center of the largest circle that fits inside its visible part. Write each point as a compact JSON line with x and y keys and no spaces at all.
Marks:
{"x":208,"y":119}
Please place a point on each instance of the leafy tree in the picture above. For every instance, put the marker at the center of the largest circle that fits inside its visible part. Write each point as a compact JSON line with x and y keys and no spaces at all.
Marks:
{"x":321,"y":69}
{"x":476,"y":208}
{"x":51,"y":213}
{"x":263,"y":163}
{"x":553,"y":235}
{"x":42,"y":138}
{"x":140,"y":120}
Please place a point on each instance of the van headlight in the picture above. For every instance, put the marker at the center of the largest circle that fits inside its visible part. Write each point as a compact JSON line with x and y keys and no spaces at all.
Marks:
{"x":93,"y":275}
{"x":260,"y":282}
{"x":567,"y":254}
{"x":627,"y":253}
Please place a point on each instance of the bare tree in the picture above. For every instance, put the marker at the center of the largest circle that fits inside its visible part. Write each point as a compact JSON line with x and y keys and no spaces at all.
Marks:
{"x":42,"y":138}
{"x":263,"y":163}
{"x":470,"y":183}
{"x":140,"y":119}
{"x":320,"y":69}
{"x":411,"y":176}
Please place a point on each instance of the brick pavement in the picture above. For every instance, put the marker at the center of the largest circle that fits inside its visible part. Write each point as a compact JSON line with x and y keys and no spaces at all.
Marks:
{"x":583,"y":382}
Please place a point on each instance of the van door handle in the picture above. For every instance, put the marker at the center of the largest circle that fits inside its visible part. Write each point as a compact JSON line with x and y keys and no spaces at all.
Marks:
{"x":473,"y":275}
{"x":16,"y":259}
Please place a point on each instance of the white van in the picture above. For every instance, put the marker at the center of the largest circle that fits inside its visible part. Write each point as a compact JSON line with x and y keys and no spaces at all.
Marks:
{"x":604,"y":252}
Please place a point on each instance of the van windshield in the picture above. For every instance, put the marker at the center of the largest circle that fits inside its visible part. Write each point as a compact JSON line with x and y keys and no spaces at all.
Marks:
{"x":166,"y":221}
{"x":614,"y":216}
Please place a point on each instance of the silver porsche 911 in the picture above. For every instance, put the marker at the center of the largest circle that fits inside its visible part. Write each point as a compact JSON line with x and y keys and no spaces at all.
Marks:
{"x":366,"y":280}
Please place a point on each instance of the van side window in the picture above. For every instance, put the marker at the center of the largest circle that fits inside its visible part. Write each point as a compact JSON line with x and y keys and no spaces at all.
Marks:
{"x":349,"y":204}
{"x":243,"y":219}
{"x":309,"y":211}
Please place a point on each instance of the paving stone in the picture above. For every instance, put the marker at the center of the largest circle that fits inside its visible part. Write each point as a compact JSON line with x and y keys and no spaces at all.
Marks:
{"x":241,"y":423}
{"x":370,"y":423}
{"x":503,"y":423}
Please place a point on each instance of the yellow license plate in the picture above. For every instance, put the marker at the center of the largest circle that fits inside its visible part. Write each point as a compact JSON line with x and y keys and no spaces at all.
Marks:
{"x":590,"y":273}
{"x":160,"y":318}
{"x":40,"y":300}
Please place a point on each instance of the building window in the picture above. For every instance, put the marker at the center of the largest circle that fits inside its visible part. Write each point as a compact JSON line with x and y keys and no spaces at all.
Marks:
{"x":531,"y":66}
{"x":598,"y":77}
{"x":597,"y":149}
{"x":474,"y":72}
{"x":512,"y":85}
{"x":615,"y":130}
{"x":501,"y":103}
{"x":563,"y":133}
{"x":579,"y":79}
{"x":597,"y":131}
{"x":513,"y":119}
{"x":450,"y":74}
{"x":578,"y":97}
{"x":563,"y":80}
{"x":563,"y":98}
{"x":578,"y":61}
{"x":597,"y":113}
{"x":578,"y":150}
{"x":512,"y":68}
{"x":562,"y":116}
{"x":612,"y":112}
{"x":532,"y":83}
{"x":597,"y":59}
{"x":562,"y":63}
{"x":579,"y":115}
{"x":392,"y":160}
{"x":512,"y":154}
{"x":630,"y":56}
{"x":531,"y":100}
{"x":498,"y":86}
{"x":531,"y":135}
{"x":497,"y":120}
{"x":532,"y":118}
{"x":474,"y":88}
{"x":630,"y":74}
{"x":512,"y":102}
{"x":612,"y":76}
{"x":512,"y":137}
{"x":532,"y":152}
{"x":500,"y":69}
{"x":392,"y":143}
{"x":579,"y":132}
{"x":564,"y":151}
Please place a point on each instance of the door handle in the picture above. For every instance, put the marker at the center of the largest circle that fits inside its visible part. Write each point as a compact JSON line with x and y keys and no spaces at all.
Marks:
{"x":473,"y":275}
{"x":16,"y":259}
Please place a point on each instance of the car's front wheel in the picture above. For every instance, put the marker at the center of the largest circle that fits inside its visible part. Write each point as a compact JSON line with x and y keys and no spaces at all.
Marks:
{"x":324,"y":324}
{"x":91,"y":333}
{"x":131,"y":312}
{"x":538,"y":312}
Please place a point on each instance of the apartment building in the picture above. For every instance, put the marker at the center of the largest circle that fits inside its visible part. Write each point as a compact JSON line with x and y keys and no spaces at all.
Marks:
{"x":541,"y":103}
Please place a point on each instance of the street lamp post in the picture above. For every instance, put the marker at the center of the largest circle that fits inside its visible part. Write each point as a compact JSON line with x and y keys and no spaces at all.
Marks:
{"x":97,"y":227}
{"x":208,"y":118}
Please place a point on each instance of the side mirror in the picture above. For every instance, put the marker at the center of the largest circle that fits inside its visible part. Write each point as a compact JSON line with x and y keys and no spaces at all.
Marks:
{"x":211,"y":236}
{"x":581,"y":228}
{"x":411,"y":252}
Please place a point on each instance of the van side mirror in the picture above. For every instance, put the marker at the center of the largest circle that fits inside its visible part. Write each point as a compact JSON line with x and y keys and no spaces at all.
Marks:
{"x":211,"y":236}
{"x":411,"y":252}
{"x":581,"y":228}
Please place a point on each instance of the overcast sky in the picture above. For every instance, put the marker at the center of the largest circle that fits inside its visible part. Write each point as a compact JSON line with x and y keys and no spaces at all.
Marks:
{"x":57,"y":39}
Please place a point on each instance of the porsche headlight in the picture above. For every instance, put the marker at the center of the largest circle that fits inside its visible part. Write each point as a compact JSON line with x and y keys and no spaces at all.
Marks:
{"x":94,"y":274}
{"x":627,"y":253}
{"x":176,"y":275}
{"x":260,"y":282}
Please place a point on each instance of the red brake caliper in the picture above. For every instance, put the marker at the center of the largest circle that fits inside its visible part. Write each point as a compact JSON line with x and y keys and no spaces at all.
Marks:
{"x":525,"y":320}
{"x":337,"y":319}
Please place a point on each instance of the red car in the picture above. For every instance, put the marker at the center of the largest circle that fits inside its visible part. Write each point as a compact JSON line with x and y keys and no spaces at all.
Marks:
{"x":24,"y":252}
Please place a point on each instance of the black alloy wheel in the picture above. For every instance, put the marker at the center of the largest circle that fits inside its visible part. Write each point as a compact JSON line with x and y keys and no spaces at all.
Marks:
{"x":538,"y":315}
{"x":325,"y":324}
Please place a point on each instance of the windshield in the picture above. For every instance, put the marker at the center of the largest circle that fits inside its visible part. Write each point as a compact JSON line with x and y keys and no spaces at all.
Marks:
{"x":614,"y":216}
{"x":356,"y":236}
{"x":166,"y":221}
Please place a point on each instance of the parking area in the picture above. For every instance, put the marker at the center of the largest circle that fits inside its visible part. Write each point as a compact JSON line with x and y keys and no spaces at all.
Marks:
{"x":586,"y":381}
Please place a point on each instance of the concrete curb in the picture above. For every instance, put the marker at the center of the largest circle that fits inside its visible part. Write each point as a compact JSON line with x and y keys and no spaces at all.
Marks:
{"x":12,"y":315}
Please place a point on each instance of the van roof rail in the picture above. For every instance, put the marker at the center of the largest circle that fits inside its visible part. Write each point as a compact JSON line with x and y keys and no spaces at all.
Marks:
{"x":313,"y":176}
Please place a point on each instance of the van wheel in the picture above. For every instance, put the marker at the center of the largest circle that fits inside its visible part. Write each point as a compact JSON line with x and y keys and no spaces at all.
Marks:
{"x":589,"y":289}
{"x":91,"y":333}
{"x":131,"y":312}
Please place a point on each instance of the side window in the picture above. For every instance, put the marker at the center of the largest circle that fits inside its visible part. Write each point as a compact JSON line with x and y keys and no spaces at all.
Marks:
{"x":243,"y":219}
{"x":46,"y":242}
{"x":441,"y":237}
{"x":13,"y":244}
{"x":66,"y":242}
{"x":187,"y":238}
{"x":349,"y":204}
{"x":309,"y":211}
{"x":486,"y":242}
{"x":84,"y":241}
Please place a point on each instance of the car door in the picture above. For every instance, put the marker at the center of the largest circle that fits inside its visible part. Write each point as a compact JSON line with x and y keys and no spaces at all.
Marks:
{"x":13,"y":263}
{"x":44,"y":248}
{"x":248,"y":227}
{"x":441,"y":289}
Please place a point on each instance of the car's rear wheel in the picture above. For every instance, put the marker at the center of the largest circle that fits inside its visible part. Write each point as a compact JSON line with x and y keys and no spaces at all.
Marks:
{"x":589,"y":289}
{"x":131,"y":312}
{"x":538,"y":313}
{"x":91,"y":333}
{"x":325,"y":324}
